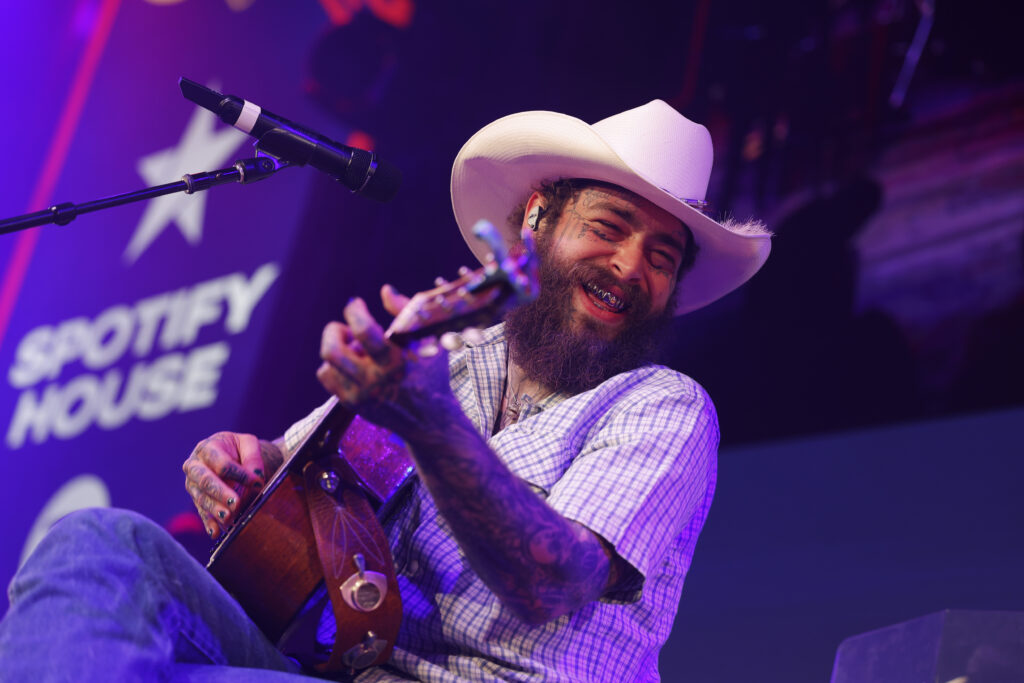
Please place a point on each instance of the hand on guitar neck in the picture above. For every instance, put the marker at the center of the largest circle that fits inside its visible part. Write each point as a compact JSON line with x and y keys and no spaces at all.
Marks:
{"x":403,"y":390}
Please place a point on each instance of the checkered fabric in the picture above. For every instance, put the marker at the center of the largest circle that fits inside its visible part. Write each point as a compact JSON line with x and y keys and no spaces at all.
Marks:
{"x":634,"y":460}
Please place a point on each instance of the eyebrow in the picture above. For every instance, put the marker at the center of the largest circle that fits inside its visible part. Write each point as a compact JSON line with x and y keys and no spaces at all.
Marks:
{"x":672,"y":241}
{"x":630,"y":217}
{"x":624,"y":214}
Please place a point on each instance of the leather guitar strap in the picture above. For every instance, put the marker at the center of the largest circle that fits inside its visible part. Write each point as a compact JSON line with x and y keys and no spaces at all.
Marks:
{"x":359,"y":571}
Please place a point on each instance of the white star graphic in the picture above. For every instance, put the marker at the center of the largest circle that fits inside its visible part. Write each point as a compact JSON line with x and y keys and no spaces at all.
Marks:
{"x":200,"y":149}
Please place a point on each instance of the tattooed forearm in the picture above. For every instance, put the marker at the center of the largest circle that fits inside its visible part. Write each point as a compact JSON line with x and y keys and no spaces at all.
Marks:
{"x":540,"y":564}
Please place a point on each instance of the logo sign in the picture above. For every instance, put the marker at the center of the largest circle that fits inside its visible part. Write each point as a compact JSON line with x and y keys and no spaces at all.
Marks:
{"x":133,"y":332}
{"x":168,"y":373}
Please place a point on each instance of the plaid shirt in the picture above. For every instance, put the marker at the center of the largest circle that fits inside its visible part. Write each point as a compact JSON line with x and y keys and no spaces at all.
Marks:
{"x":634,"y":460}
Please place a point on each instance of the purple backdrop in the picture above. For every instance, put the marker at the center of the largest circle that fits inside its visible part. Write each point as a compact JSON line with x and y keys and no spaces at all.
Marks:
{"x":130,"y":334}
{"x":135,"y":330}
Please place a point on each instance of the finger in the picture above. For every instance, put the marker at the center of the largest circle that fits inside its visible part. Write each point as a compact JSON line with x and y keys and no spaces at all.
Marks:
{"x":366,"y":331}
{"x":340,"y":349}
{"x":251,"y":458}
{"x":200,"y":501}
{"x":393,"y":301}
{"x":335,"y":337}
{"x":213,"y":513}
{"x":337,"y":383}
{"x":350,"y":366}
{"x":200,"y":475}
{"x":212,"y":528}
{"x":221,"y":454}
{"x":212,"y":466}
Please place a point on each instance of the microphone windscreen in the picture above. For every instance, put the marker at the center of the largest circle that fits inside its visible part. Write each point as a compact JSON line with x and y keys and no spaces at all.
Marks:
{"x":384,"y":183}
{"x":200,"y":94}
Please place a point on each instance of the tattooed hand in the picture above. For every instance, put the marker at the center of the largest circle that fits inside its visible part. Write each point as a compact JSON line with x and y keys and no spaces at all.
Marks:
{"x":224,"y":472}
{"x":397,"y":389}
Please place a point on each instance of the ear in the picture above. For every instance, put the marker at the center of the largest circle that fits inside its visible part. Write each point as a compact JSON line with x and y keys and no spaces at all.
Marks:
{"x":533,"y":213}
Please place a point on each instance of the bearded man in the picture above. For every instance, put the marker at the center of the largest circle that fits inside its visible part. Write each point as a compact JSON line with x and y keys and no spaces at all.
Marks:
{"x":562,"y":479}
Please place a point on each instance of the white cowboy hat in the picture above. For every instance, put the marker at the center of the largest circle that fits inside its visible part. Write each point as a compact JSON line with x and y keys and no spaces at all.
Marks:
{"x":652,"y":150}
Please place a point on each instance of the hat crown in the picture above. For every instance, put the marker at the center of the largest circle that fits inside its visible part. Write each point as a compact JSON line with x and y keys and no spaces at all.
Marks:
{"x":642,"y":136}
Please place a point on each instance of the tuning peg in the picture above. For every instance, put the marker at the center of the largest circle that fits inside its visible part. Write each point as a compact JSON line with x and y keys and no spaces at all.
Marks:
{"x":360,"y":562}
{"x":486,"y":231}
{"x":428,"y":348}
{"x":464,"y":271}
{"x":473,"y":335}
{"x":440,"y":281}
{"x":451,"y":341}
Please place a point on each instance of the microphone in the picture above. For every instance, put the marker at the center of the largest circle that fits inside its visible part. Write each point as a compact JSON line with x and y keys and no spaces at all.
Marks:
{"x":357,"y":169}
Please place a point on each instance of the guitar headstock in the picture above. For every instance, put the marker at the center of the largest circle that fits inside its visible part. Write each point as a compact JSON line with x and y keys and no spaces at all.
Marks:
{"x":478,"y":297}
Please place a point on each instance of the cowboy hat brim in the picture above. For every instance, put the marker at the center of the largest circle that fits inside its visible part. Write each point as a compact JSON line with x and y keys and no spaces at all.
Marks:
{"x":502,"y":163}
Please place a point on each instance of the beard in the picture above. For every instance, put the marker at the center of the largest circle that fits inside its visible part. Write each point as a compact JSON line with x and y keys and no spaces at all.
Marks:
{"x":544,"y":344}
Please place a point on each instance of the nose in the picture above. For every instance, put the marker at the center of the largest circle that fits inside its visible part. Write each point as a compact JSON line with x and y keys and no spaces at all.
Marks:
{"x":627,"y":262}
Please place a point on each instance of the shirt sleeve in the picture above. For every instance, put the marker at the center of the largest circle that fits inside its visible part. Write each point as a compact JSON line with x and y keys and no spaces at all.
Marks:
{"x":645,"y":475}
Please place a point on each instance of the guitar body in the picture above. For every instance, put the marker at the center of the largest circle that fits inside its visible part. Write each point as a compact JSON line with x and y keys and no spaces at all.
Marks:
{"x":315,"y":515}
{"x":271,"y":564}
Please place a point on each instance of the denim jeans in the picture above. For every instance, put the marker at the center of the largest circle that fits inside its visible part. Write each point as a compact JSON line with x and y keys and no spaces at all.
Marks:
{"x":109,"y":596}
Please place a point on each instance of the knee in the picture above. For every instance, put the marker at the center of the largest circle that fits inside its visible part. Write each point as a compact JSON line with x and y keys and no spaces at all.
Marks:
{"x":75,"y":546}
{"x":92,"y":530}
{"x":100,"y":522}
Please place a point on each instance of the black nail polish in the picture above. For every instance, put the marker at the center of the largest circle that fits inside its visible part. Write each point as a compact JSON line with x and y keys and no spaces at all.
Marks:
{"x":258,"y":471}
{"x":221,"y":514}
{"x":231,"y":501}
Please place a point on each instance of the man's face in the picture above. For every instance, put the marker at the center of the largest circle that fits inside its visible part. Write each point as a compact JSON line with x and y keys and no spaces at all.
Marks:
{"x":623,"y":253}
{"x":608,"y":270}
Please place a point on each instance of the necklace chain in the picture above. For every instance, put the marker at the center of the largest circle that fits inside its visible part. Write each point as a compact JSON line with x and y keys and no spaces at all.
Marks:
{"x":516,"y":401}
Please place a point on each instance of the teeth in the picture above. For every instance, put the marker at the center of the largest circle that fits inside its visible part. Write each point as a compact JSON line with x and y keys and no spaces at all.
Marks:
{"x":613,"y":302}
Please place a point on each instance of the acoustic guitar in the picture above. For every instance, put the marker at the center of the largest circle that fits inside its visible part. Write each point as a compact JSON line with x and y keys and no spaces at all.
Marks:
{"x":314,"y":527}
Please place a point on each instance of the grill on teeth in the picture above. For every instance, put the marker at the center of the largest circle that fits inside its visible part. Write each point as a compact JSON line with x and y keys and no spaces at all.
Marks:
{"x":607,"y":297}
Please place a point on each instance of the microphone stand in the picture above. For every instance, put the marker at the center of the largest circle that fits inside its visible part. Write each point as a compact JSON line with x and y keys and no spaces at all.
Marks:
{"x":243,"y":171}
